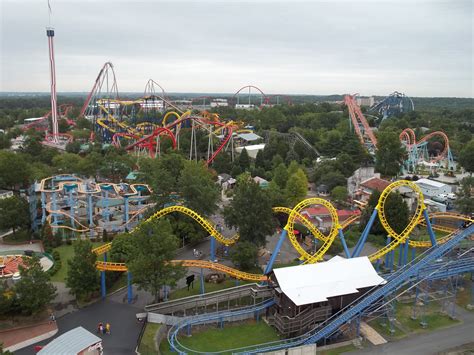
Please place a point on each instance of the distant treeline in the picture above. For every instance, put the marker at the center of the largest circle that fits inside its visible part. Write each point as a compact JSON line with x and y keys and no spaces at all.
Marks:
{"x":41,"y":100}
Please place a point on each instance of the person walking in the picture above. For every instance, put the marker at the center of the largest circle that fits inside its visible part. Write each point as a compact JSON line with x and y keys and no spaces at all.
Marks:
{"x":100,"y":328}
{"x":107,"y":328}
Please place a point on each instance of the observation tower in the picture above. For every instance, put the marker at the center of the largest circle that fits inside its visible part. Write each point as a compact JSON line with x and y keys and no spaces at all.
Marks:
{"x":52,"y":69}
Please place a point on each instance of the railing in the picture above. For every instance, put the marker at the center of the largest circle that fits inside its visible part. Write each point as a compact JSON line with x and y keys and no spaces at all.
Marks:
{"x":254,"y":291}
{"x":302,"y":322}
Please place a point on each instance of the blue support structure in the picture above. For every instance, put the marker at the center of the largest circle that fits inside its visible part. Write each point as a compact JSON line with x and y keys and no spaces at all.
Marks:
{"x":413,"y":254}
{"x":90,"y":210}
{"x":365,"y":233}
{"x":55,"y":208}
{"x":212,"y":256}
{"x":125,"y":213}
{"x":43,"y":208}
{"x":343,"y":242}
{"x":428,"y":226}
{"x":400,"y":255}
{"x":405,"y":252}
{"x":71,"y":206}
{"x":275,"y":252}
{"x":203,"y":290}
{"x":129,"y":287}
{"x":102,"y":280}
{"x":377,"y":265}
{"x":387,"y":256}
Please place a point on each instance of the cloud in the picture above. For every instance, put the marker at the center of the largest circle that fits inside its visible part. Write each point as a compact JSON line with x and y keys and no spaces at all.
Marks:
{"x":422,"y":48}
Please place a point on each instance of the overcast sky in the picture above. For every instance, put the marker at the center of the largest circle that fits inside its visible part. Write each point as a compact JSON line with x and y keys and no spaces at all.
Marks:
{"x":421,"y":48}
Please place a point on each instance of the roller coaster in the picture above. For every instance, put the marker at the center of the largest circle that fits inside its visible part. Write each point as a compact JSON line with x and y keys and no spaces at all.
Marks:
{"x":360,"y":124}
{"x":403,"y":240}
{"x":418,"y":152}
{"x":84,"y":206}
{"x":394,"y":104}
{"x":139,"y":125}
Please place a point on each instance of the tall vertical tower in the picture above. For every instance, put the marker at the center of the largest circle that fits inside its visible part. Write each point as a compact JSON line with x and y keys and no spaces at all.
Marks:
{"x":52,"y":69}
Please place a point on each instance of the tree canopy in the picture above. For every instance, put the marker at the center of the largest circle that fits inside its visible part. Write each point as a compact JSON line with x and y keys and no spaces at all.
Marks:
{"x":250,"y":212}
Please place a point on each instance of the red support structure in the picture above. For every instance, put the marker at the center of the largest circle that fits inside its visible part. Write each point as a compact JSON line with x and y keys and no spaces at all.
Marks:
{"x":366,"y":136}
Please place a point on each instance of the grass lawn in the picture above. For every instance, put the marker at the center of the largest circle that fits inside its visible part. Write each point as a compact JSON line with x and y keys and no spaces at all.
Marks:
{"x":147,"y":345}
{"x":18,"y":237}
{"x":464,"y":297}
{"x":291,"y":263}
{"x":231,"y":336}
{"x":208,"y":287}
{"x":433,"y":317}
{"x":66,"y":252}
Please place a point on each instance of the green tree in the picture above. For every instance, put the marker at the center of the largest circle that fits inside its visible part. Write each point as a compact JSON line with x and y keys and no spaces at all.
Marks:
{"x":4,"y":141}
{"x":466,"y":156}
{"x":222,"y":163}
{"x":296,"y":187}
{"x":339,"y":194}
{"x":82,"y":275}
{"x":333,"y":179}
{"x":396,"y":210}
{"x":14,"y":213}
{"x":20,"y":175}
{"x":154,"y":247}
{"x":250,"y":211}
{"x":245,"y":255}
{"x":122,"y":248}
{"x":198,"y":189}
{"x":465,"y":198}
{"x":244,"y":160}
{"x":260,"y":160}
{"x":280,"y":176}
{"x":390,"y":153}
{"x":34,"y":291}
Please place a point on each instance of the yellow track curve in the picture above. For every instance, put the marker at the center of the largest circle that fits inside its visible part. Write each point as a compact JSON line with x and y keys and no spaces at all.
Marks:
{"x":295,"y":215}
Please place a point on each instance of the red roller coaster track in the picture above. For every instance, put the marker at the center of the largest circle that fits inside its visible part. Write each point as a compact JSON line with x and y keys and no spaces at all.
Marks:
{"x":361,"y":126}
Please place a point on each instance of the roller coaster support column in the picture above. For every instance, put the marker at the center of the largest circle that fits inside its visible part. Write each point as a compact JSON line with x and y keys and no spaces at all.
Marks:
{"x":90,"y":210}
{"x":413,"y":254}
{"x":212,"y":256}
{"x":343,"y":242}
{"x":400,"y":255}
{"x":140,"y":204}
{"x":71,"y":207}
{"x":365,"y":233}
{"x":387,"y":256}
{"x":102,"y":280}
{"x":43,"y":208}
{"x":405,"y":253}
{"x":428,"y":226}
{"x":129,"y":287}
{"x":125,"y":213}
{"x":55,"y":208}
{"x":275,"y":252}
{"x":202,"y":282}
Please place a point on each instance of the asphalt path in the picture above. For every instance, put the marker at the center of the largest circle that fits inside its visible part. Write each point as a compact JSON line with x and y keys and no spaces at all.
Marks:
{"x":123,"y":325}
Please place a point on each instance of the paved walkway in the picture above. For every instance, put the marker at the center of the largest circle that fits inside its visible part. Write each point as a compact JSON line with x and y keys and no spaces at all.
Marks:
{"x":27,"y":246}
{"x":124,"y":326}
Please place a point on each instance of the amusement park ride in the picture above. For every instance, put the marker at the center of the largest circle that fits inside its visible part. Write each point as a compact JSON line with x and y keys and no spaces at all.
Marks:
{"x":431,"y":249}
{"x":417,"y":151}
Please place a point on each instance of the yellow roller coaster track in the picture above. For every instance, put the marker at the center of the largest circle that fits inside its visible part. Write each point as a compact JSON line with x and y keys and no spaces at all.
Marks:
{"x":295,"y":215}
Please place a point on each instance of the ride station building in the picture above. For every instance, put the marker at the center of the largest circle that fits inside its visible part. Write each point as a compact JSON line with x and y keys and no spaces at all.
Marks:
{"x":306,"y":295}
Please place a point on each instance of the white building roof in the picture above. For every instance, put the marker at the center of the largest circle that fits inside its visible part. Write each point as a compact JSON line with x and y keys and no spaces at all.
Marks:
{"x":71,"y":342}
{"x":249,"y":136}
{"x":429,"y":182}
{"x":312,"y":283}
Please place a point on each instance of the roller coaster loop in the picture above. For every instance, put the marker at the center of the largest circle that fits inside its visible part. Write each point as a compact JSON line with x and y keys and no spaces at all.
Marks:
{"x":295,"y":215}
